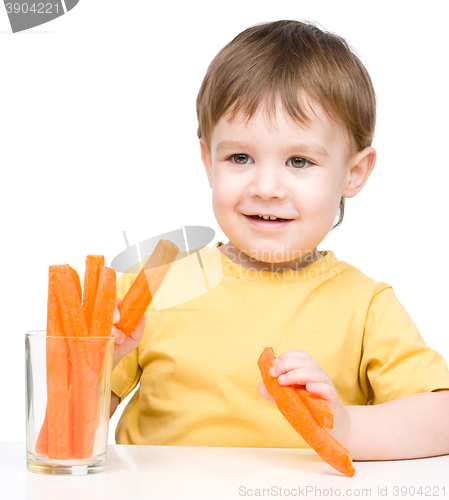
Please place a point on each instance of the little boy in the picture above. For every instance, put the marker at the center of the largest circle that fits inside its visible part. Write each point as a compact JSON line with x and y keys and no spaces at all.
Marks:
{"x":286,"y":120}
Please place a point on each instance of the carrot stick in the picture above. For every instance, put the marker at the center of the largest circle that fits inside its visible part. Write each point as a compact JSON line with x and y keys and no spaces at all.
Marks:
{"x":91,"y":276}
{"x":83,"y":379}
{"x":83,"y":400}
{"x":319,"y":408}
{"x":105,"y":302}
{"x":55,"y":326}
{"x":77,"y":281}
{"x":69,"y":425}
{"x":291,"y":405}
{"x":58,"y":398}
{"x":103,"y":314}
{"x":136,"y":301}
{"x":41,"y":447}
{"x":70,"y":304}
{"x":53,"y":439}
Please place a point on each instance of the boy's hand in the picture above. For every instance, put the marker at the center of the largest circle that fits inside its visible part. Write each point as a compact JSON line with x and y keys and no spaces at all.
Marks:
{"x":122,"y":344}
{"x":299,"y":368}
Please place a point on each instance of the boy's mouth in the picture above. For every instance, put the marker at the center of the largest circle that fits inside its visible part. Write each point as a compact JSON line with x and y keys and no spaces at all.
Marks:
{"x":267,"y":222}
{"x":269,"y":218}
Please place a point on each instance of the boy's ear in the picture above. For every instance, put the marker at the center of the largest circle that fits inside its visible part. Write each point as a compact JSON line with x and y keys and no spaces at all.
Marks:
{"x":361,"y":166}
{"x":207,"y":161}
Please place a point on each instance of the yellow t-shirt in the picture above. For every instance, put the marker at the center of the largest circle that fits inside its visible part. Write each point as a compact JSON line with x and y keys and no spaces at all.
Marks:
{"x":197,"y":363}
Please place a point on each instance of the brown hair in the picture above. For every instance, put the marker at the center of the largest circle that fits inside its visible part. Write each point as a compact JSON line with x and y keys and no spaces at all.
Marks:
{"x":281,"y":59}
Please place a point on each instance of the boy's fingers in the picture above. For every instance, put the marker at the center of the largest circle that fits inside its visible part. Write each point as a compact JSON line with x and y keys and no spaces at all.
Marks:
{"x":326,"y":391}
{"x":133,"y":339}
{"x":119,"y":336}
{"x":295,"y":354}
{"x":263,"y":391}
{"x":292,"y":363}
{"x":137,"y":333}
{"x":123,"y":344}
{"x":303,"y":376}
{"x":116,"y":317}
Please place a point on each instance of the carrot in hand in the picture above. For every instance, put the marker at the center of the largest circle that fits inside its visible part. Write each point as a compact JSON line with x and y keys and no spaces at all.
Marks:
{"x":292,"y":407}
{"x":139,"y":296}
{"x":319,"y":408}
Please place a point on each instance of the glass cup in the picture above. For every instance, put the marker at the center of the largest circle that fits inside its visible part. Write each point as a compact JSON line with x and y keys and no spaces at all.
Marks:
{"x":68,"y":393}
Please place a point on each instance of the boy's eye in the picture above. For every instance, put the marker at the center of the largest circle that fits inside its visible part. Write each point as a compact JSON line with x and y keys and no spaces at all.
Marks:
{"x":298,"y":162}
{"x":241,"y":159}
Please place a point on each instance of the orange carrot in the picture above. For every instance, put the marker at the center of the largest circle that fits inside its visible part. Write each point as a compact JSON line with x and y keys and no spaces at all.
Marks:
{"x":319,"y":408}
{"x":54,"y":438}
{"x":55,"y":326}
{"x":70,"y":304}
{"x":83,"y":379}
{"x":41,"y":447}
{"x":69,"y":426}
{"x":91,"y":276}
{"x":83,"y":400}
{"x":136,"y":301}
{"x":77,"y":281}
{"x":291,"y":405}
{"x":103,"y":314}
{"x":105,"y":302}
{"x":58,"y":398}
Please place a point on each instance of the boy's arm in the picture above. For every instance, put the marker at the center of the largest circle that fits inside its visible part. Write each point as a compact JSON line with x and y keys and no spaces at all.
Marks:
{"x":115,"y":400}
{"x":414,"y":426}
{"x":123,"y":346}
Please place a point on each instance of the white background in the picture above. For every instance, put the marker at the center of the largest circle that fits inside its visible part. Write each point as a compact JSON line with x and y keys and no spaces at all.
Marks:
{"x":98,"y":136}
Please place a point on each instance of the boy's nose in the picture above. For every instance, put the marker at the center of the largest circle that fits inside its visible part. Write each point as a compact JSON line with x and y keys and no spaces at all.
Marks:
{"x":268,"y":182}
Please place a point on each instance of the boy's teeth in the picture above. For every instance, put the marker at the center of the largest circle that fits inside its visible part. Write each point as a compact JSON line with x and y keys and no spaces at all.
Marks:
{"x":266,"y":217}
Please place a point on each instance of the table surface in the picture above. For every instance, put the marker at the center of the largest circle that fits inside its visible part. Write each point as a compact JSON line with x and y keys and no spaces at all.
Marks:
{"x":190,"y":472}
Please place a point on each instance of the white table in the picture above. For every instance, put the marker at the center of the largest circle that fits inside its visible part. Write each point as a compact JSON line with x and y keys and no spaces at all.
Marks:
{"x":166,"y":472}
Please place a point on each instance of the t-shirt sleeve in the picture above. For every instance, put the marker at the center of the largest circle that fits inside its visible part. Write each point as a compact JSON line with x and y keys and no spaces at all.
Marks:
{"x":395,"y":360}
{"x":126,"y":374}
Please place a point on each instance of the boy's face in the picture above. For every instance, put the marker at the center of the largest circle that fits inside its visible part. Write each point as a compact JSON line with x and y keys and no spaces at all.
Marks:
{"x":285,"y":170}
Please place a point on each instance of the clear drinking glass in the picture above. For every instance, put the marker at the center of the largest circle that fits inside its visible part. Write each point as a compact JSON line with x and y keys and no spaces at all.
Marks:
{"x":68,"y":392}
